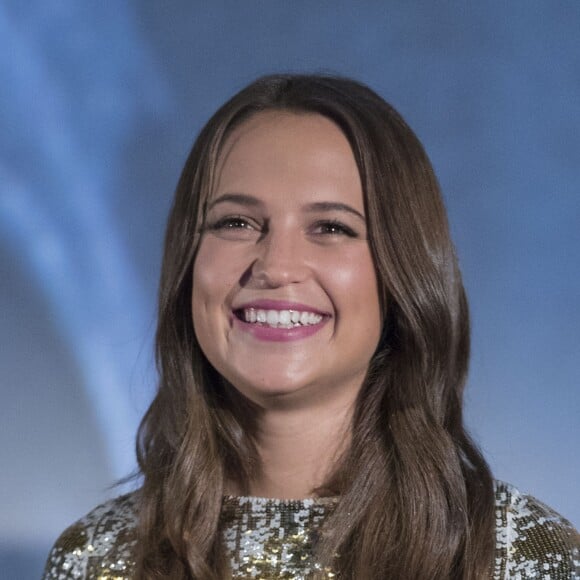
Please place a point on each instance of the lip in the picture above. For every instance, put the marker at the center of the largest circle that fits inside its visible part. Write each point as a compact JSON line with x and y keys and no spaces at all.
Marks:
{"x":268,"y":333}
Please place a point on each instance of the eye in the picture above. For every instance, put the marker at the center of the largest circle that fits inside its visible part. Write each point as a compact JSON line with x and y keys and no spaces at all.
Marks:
{"x":231,"y":223}
{"x":334,"y":228}
{"x":234,"y":227}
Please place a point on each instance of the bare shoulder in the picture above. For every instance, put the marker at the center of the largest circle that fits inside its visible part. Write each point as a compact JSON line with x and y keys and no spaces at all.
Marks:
{"x":532,"y":540}
{"x":103,"y":539}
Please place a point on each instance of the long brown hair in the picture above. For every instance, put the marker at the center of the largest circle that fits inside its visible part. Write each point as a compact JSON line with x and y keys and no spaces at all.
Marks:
{"x":416,"y":496}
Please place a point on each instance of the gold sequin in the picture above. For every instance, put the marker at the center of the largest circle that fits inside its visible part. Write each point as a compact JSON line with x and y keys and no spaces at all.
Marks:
{"x":268,"y":539}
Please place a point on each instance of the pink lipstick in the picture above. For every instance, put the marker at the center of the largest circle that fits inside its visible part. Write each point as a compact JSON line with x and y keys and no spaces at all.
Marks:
{"x":278,"y":320}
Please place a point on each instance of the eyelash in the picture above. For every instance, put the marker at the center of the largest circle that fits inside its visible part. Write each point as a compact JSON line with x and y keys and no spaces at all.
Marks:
{"x":229,"y":223}
{"x":239,"y":222}
{"x":339,"y":227}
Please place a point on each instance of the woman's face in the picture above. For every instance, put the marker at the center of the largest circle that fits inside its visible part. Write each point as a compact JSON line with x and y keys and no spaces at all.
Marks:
{"x":285,"y":299}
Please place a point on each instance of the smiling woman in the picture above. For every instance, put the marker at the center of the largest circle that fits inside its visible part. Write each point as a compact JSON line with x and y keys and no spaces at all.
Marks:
{"x":313,"y":342}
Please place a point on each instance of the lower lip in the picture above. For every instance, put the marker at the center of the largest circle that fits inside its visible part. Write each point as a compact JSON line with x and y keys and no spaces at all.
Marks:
{"x":269,"y":333}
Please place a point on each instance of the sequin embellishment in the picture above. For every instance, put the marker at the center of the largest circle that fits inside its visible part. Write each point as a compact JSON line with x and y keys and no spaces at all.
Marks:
{"x":269,"y":539}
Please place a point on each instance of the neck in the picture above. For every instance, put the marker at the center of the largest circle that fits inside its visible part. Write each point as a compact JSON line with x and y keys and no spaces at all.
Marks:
{"x":298,"y":449}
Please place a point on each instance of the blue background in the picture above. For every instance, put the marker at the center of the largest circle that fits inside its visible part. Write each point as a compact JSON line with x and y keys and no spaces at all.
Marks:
{"x":99,"y":104}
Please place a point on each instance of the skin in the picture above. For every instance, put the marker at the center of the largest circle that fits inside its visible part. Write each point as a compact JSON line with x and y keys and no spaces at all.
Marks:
{"x":271,"y":243}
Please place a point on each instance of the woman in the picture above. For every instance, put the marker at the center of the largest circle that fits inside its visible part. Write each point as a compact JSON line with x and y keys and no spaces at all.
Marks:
{"x":313,"y":343}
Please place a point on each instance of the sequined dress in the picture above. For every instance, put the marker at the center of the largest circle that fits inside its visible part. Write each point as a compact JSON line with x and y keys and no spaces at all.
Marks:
{"x":268,"y":539}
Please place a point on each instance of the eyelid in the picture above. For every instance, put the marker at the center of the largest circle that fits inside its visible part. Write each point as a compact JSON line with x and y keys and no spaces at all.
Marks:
{"x":345,"y":229}
{"x":217,"y":223}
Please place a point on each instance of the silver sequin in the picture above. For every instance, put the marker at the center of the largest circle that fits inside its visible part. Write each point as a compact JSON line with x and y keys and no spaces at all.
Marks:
{"x":268,"y":538}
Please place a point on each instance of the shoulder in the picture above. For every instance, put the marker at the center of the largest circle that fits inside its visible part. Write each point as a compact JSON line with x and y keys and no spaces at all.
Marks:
{"x":103,"y":539}
{"x":532,"y":540}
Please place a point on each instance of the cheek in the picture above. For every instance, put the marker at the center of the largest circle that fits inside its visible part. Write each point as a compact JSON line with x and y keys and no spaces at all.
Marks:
{"x":354,"y":287}
{"x":207,"y":298}
{"x":354,"y":277}
{"x":207,"y":281}
{"x":216,"y":276}
{"x":212,"y":271}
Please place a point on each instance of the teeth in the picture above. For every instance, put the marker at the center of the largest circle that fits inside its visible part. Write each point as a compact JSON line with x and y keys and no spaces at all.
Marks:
{"x":281,"y":318}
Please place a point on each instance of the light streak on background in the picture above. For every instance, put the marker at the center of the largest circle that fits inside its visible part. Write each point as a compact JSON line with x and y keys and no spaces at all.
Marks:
{"x":57,"y":193}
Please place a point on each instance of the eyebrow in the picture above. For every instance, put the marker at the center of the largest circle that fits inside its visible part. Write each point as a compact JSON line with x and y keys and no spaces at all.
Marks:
{"x":334,"y":206}
{"x":251,"y":201}
{"x":239,"y":198}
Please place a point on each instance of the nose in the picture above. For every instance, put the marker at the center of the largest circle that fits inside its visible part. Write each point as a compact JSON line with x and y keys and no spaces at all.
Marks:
{"x":281,"y":260}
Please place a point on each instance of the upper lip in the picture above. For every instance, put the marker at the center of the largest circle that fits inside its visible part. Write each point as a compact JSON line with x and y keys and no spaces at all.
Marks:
{"x":264,"y":304}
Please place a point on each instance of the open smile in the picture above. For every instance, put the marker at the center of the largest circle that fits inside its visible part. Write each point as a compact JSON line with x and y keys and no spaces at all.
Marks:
{"x":279,"y":321}
{"x":278,"y":318}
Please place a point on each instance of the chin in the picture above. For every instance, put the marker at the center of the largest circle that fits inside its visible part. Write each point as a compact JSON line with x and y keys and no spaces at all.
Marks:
{"x":277,"y":388}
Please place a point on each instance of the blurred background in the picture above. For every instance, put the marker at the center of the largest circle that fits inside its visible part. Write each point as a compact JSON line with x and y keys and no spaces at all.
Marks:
{"x":99,"y":105}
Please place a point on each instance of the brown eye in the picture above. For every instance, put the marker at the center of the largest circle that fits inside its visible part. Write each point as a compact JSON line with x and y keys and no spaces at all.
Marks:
{"x":334,"y":228}
{"x":234,"y":227}
{"x":231,"y":223}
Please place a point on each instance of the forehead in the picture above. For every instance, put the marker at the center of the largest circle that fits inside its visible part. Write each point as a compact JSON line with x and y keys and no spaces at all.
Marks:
{"x":288,"y":153}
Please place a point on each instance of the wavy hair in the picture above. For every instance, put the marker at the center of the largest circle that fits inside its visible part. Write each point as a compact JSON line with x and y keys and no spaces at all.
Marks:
{"x":415,"y":494}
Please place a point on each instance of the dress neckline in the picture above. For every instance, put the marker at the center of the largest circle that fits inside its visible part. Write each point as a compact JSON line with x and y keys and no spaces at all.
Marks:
{"x":280,"y":502}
